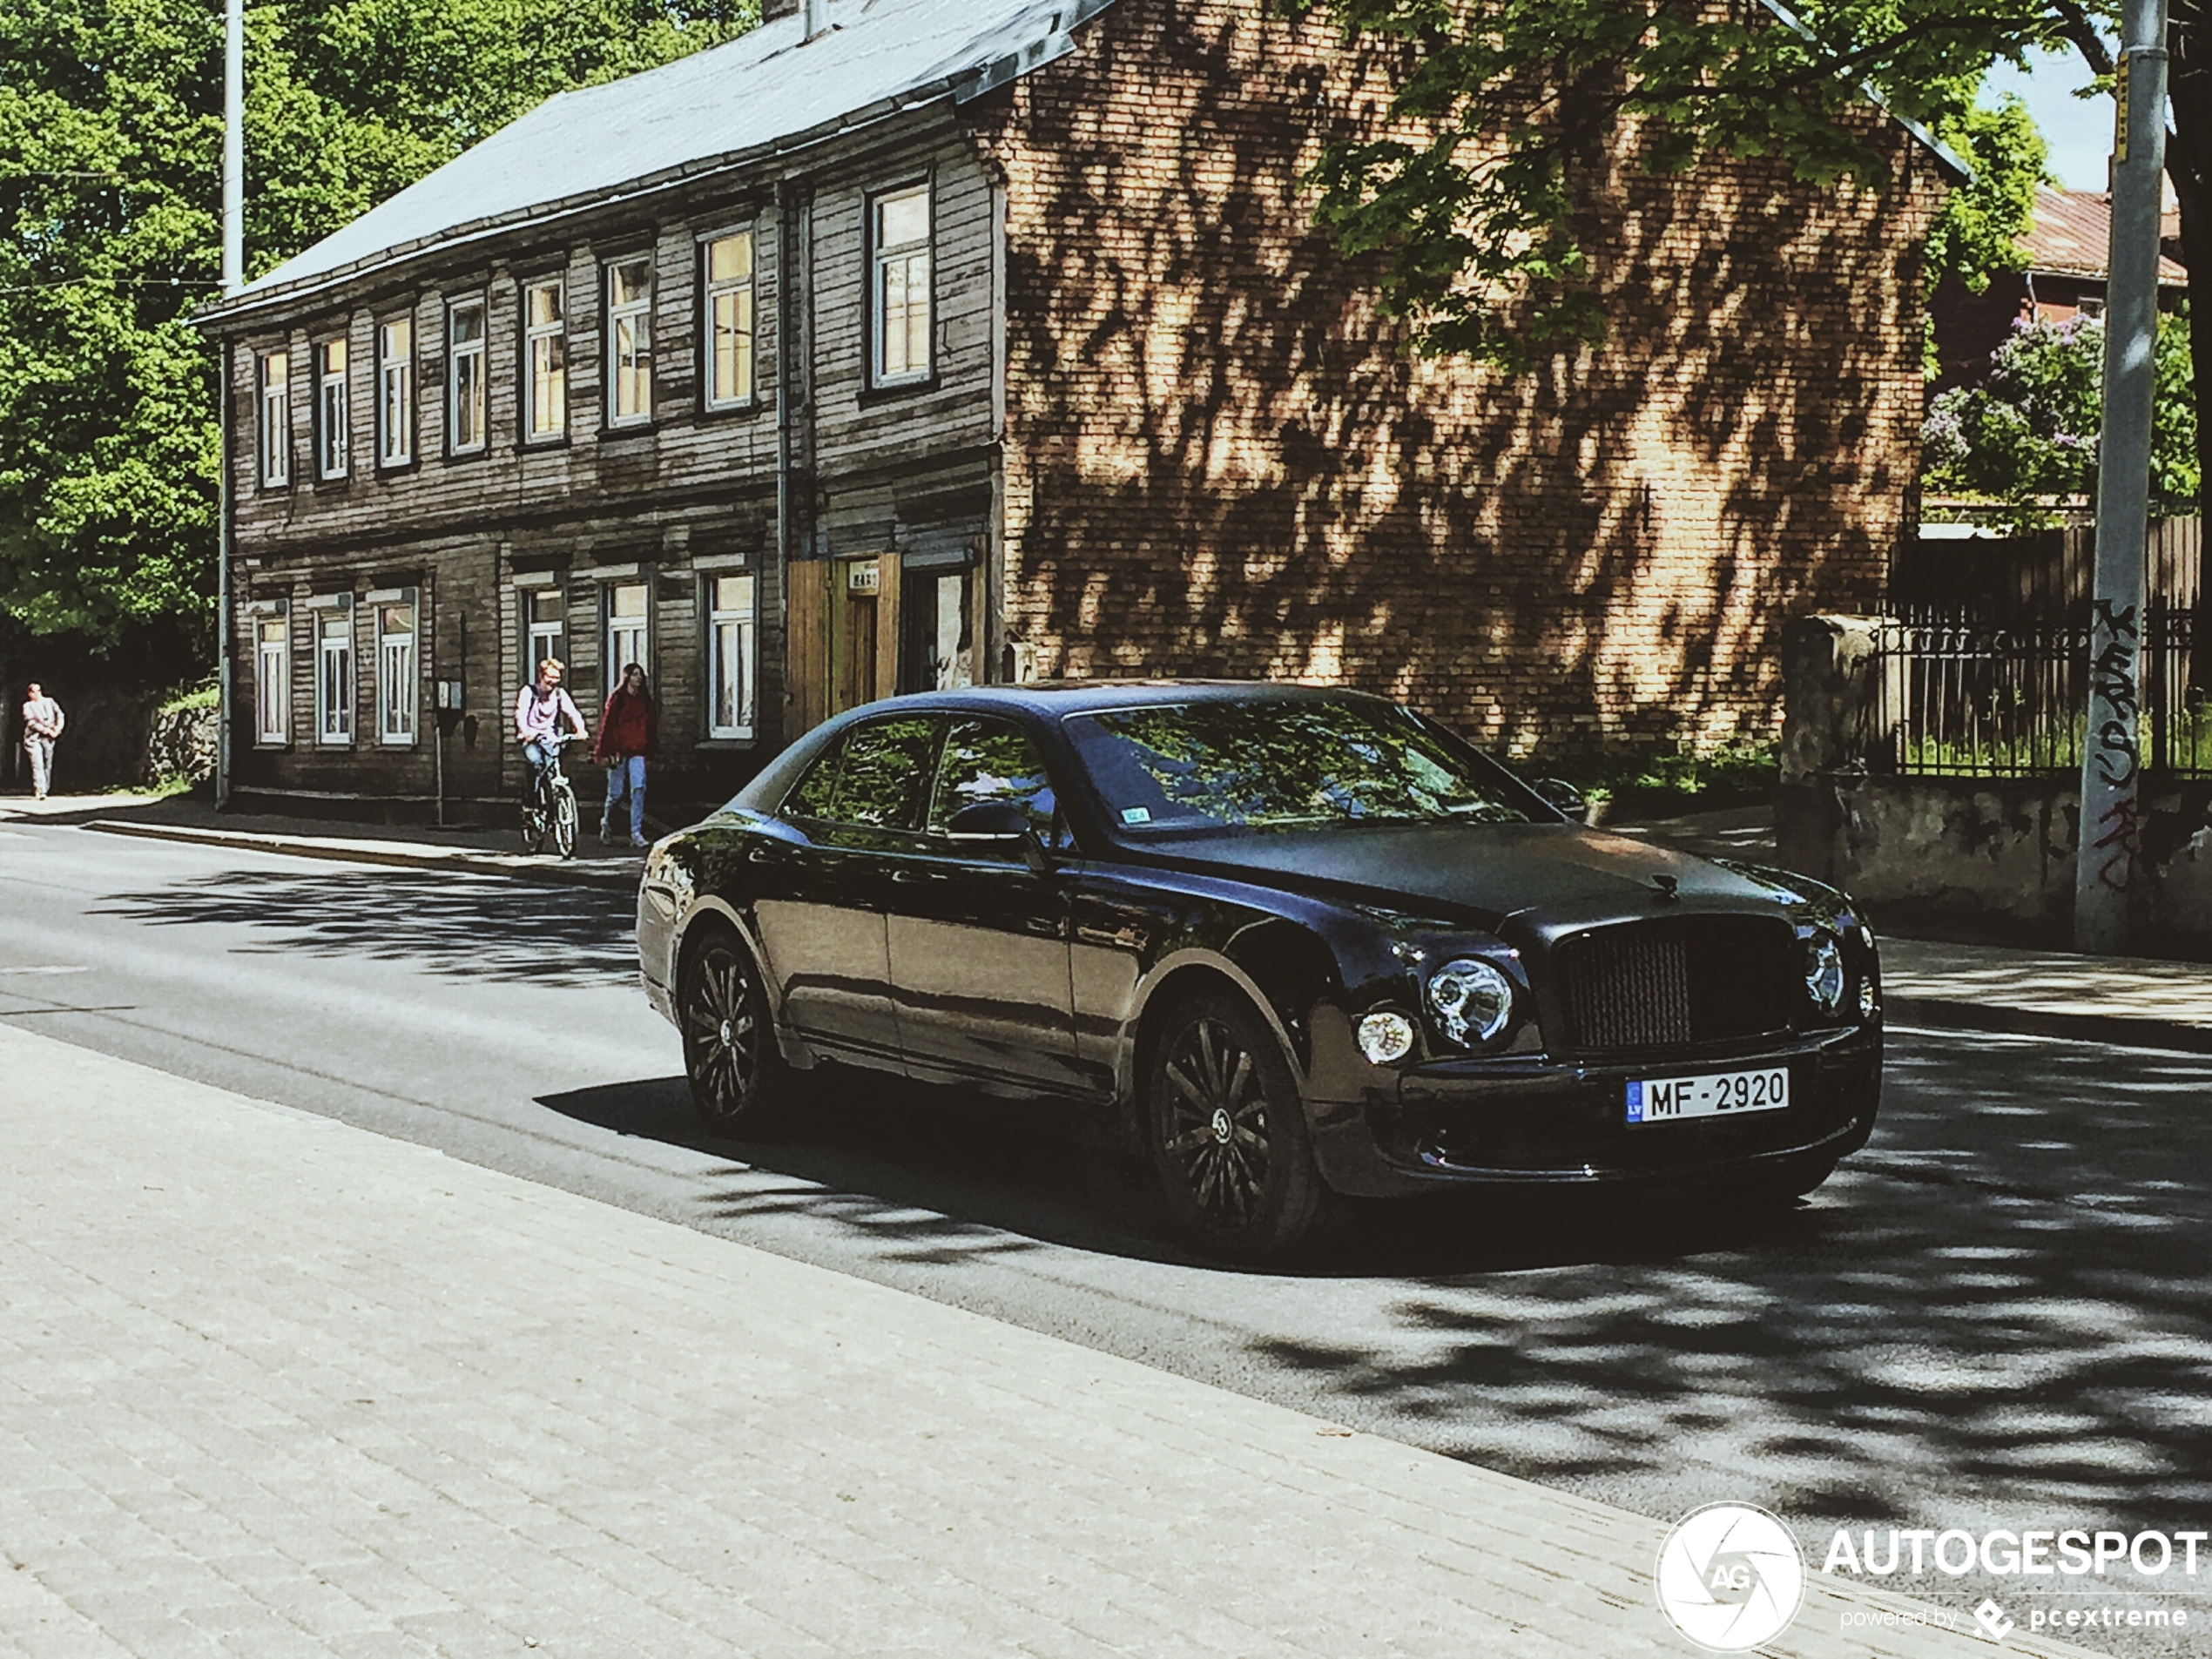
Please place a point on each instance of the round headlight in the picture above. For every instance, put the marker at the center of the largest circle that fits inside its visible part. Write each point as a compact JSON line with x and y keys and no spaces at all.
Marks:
{"x":1473,"y":1001}
{"x":1825,"y":975}
{"x":1385,"y":1036}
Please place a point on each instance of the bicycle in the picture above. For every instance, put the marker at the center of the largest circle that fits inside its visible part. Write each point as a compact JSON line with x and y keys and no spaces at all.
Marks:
{"x":550,"y":810}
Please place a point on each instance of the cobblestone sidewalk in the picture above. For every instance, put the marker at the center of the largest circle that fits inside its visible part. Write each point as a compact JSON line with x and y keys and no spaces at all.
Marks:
{"x":272,"y":1385}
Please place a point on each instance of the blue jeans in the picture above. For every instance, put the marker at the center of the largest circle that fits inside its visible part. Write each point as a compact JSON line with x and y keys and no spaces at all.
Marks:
{"x":538,"y":759}
{"x":626,"y":775}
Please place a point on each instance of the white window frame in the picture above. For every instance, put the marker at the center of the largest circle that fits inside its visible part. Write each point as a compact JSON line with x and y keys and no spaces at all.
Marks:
{"x":907,"y":267}
{"x":273,"y":436}
{"x":399,"y":669}
{"x":333,"y":681}
{"x":395,"y":390}
{"x":466,"y":393}
{"x":614,"y":630}
{"x":333,"y":408}
{"x":542,"y":639}
{"x":630,"y":345}
{"x":736,"y":294}
{"x":545,"y":367}
{"x":731,"y":630}
{"x":271,"y":673}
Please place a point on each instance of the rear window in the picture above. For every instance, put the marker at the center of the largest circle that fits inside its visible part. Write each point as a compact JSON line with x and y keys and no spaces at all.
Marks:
{"x":1284,"y":764}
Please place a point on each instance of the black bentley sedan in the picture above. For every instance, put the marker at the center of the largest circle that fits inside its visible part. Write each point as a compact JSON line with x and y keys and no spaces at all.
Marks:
{"x":1301,"y":942}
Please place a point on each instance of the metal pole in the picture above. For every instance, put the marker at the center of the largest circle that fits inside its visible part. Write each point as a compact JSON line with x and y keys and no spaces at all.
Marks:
{"x":234,"y":278}
{"x":2111,"y":743}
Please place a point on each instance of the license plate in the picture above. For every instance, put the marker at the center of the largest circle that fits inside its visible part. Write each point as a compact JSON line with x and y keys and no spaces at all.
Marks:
{"x":1713,"y":1094}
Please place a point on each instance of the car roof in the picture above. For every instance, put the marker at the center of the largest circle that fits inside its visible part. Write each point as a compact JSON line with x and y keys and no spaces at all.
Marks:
{"x":1051,"y":698}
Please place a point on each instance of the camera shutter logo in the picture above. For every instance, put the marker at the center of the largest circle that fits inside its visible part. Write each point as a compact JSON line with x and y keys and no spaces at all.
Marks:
{"x":1730,"y":1577}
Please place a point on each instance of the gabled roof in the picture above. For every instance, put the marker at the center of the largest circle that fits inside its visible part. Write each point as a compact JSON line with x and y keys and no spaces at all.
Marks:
{"x":2072,"y":236}
{"x":767,"y":92}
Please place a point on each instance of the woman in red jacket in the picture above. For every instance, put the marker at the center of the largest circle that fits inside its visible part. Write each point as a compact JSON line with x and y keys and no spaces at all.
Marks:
{"x":626,"y":732}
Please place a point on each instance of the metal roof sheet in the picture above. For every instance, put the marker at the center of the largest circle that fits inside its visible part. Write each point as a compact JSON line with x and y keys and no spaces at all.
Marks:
{"x":2071,"y":235}
{"x":770,"y":89}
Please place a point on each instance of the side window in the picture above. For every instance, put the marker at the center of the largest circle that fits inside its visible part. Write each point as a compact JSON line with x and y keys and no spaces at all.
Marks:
{"x":988,"y":761}
{"x":815,"y":794}
{"x":887,"y":768}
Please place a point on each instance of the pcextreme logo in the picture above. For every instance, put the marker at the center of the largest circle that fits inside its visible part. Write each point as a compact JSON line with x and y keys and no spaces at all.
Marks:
{"x":1729,"y":1577}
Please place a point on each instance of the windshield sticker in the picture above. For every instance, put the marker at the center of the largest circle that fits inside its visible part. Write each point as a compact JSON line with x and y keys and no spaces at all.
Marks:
{"x":1137,"y":815}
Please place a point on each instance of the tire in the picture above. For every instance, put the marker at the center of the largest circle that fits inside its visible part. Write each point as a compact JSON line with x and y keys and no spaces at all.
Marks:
{"x":533,"y":825}
{"x":564,"y":820}
{"x":1227,"y":1132}
{"x":736,"y":1071}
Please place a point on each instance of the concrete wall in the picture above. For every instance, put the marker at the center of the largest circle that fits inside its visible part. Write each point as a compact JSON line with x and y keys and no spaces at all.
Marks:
{"x":1989,"y":856}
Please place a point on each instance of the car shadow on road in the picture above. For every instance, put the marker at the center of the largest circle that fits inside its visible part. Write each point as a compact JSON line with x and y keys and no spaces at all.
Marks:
{"x":936,"y":1174}
{"x":457,"y":926}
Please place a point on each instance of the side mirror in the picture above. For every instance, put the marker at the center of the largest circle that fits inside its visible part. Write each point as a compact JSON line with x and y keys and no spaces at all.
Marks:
{"x":989,"y":820}
{"x":1562,"y":798}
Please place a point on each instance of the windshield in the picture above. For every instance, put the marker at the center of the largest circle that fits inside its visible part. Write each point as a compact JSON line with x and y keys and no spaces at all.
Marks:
{"x":1283,"y":763}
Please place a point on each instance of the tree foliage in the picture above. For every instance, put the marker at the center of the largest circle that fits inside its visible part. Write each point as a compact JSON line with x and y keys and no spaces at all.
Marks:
{"x":1517,"y":102}
{"x":2024,"y":435}
{"x":110,"y":184}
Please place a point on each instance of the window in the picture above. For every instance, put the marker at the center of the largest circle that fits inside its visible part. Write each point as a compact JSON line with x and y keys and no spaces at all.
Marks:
{"x":729,"y":656}
{"x":545,"y":362}
{"x":396,"y":392}
{"x":728,"y":313}
{"x":275,"y":430}
{"x":874,"y":779}
{"x":396,"y":691}
{"x":333,"y":411}
{"x":625,"y":631}
{"x":544,"y":627}
{"x":334,"y":669}
{"x":630,"y":335}
{"x":272,"y":676}
{"x":988,"y":760}
{"x":465,"y":377}
{"x":898,"y":233}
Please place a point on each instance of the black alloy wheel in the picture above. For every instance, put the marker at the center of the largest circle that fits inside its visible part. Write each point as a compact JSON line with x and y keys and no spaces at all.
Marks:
{"x":730,"y":1052}
{"x":1228,"y":1132}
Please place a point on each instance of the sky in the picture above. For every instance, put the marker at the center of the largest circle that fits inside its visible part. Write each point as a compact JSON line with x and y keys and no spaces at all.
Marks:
{"x":2079,"y":130}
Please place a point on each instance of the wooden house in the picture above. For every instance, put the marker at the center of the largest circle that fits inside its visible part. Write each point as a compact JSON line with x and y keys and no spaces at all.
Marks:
{"x":903,"y":343}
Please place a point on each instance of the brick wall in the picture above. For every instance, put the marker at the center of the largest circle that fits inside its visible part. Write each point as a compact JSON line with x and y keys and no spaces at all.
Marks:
{"x":1221,"y":458}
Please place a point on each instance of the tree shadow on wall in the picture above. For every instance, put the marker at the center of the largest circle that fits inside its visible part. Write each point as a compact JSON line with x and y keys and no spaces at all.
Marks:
{"x":1239,"y":467}
{"x":453,"y":926}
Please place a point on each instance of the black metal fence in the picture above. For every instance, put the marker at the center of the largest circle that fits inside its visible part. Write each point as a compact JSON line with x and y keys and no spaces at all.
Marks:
{"x":1962,"y":698}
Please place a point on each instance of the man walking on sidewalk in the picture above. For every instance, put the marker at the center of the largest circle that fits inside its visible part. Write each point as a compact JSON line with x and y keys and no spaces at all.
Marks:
{"x":41,"y":723}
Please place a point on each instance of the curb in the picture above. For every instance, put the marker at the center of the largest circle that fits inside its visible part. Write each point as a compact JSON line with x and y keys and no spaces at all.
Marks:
{"x":514,"y":866}
{"x":2125,"y":1030}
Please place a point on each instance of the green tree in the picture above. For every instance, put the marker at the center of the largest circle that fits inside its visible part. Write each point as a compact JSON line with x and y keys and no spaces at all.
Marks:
{"x":110,"y":146}
{"x":2024,"y":434}
{"x":1516,"y":98}
{"x":1977,"y":234}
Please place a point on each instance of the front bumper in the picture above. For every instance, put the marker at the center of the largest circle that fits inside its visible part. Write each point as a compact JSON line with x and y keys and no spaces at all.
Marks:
{"x":1528,"y":1120}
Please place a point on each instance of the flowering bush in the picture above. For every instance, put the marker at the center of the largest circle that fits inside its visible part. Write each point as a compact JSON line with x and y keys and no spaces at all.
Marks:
{"x":2025,"y":434}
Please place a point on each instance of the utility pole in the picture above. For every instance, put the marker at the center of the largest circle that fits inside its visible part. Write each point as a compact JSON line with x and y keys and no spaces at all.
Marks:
{"x":2111,"y":759}
{"x":233,"y":278}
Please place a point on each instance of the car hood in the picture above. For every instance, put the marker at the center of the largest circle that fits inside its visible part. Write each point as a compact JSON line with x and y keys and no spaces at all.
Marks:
{"x":1485,"y":872}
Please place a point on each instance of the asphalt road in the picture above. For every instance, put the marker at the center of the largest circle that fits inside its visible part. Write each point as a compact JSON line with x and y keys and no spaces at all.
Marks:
{"x":1998,"y":1316}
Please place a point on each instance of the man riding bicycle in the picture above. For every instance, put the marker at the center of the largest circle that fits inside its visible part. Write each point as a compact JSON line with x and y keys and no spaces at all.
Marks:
{"x":538,"y":713}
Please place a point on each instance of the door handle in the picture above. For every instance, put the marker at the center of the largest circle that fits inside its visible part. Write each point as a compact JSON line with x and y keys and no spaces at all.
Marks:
{"x":907,"y":878}
{"x":760,"y":855}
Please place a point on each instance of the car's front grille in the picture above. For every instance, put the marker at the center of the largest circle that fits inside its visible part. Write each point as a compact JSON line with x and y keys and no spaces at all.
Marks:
{"x":1675,"y":982}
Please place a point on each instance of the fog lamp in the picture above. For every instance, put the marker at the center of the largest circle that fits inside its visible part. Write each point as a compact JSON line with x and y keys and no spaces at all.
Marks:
{"x":1386,"y":1038}
{"x":1824,"y":976}
{"x":1473,"y":1001}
